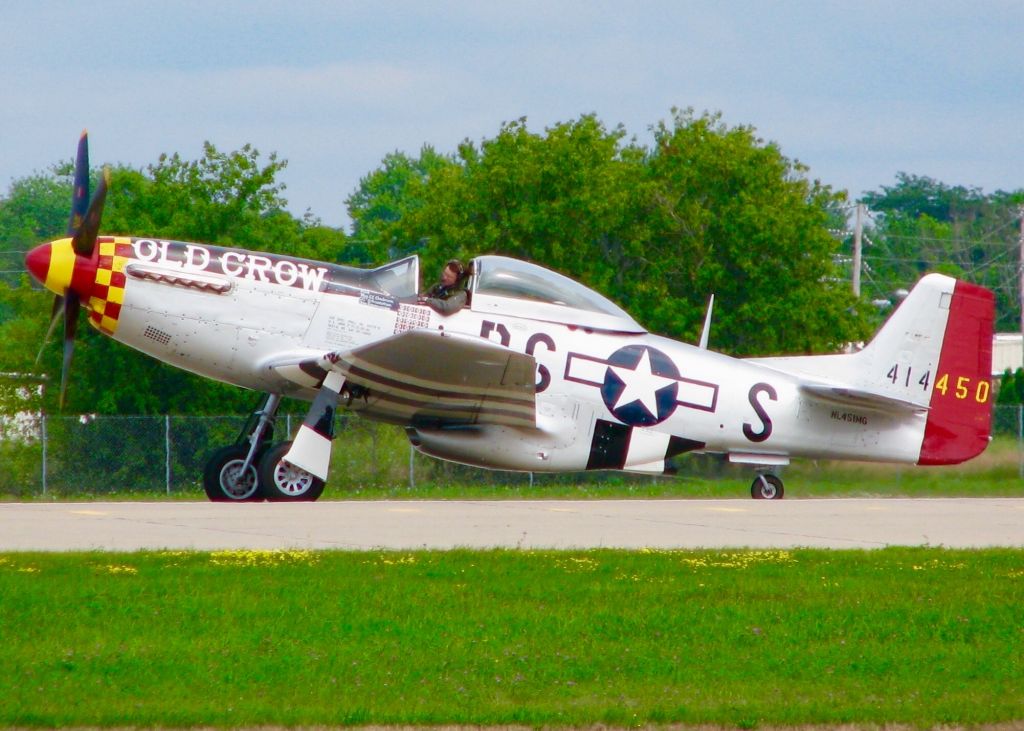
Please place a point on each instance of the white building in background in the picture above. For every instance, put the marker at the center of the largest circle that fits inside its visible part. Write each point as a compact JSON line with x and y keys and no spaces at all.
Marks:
{"x":1007,"y":352}
{"x":24,"y":426}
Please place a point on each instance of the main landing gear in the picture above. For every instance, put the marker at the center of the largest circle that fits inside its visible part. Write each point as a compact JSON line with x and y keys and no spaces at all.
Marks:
{"x":253,"y":468}
{"x":766,"y":486}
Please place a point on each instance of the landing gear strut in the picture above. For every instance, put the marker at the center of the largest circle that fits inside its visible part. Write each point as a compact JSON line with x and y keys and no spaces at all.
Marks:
{"x":766,"y":486}
{"x":231,"y":474}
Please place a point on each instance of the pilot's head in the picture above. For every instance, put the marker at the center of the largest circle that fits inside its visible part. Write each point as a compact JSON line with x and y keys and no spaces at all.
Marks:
{"x":452,"y":272}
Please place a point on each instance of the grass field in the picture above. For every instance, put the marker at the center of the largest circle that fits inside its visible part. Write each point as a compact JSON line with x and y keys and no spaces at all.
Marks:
{"x":748,"y":638}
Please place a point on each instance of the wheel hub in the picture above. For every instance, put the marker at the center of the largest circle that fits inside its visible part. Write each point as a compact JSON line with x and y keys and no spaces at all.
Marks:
{"x":235,"y":483}
{"x":291,"y":480}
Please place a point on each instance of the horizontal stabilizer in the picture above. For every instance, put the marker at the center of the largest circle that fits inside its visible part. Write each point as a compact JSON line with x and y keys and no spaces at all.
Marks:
{"x":860,"y":399}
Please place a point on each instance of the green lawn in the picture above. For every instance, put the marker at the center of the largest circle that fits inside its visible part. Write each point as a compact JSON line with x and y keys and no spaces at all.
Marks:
{"x":741,"y":638}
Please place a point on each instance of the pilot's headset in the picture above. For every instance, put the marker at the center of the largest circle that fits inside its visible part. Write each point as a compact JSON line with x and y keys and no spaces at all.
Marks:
{"x":462,"y":281}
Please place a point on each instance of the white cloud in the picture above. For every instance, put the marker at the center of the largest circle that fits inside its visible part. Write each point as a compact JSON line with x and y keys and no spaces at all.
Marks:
{"x":856,"y":92}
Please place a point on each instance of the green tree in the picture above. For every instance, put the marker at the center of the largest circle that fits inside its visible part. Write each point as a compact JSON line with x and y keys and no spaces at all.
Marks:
{"x":921,"y":225}
{"x":708,"y":209}
{"x":560,"y":199}
{"x":36,"y":208}
{"x":1018,"y":386}
{"x":1006,"y":399}
{"x":383,"y":197}
{"x":915,"y":196}
{"x":731,"y":215}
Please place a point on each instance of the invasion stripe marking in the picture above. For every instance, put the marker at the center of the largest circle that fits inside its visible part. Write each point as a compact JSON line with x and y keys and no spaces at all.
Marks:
{"x":361,"y":367}
{"x":445,"y":392}
{"x":609,"y":446}
{"x":484,"y":414}
{"x":471,"y":409}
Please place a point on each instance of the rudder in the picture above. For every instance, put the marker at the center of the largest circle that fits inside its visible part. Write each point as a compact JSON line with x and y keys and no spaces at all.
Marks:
{"x":959,"y":422}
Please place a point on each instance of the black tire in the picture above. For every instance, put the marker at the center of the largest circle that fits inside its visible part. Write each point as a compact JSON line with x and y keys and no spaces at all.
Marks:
{"x":282,"y":482}
{"x":223,"y":470}
{"x":767,"y":487}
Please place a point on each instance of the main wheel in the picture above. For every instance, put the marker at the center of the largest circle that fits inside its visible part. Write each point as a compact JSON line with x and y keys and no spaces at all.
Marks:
{"x":767,"y":487}
{"x":224,"y":480}
{"x":283,"y":482}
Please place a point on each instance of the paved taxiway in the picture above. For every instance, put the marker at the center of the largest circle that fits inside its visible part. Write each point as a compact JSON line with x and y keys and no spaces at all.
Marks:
{"x":363,"y":525}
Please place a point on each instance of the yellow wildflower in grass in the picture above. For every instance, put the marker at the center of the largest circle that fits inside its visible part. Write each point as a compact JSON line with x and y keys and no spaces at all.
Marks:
{"x":391,"y":560}
{"x":738,"y":559}
{"x":174,"y":555}
{"x":121,"y":570}
{"x":628,"y":577}
{"x":263,"y":559}
{"x":935,"y":564}
{"x":577,"y":565}
{"x":7,"y":563}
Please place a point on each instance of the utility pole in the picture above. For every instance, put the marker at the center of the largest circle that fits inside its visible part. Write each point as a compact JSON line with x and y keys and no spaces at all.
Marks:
{"x":1020,"y":212}
{"x":1020,"y":408}
{"x":858,"y":235}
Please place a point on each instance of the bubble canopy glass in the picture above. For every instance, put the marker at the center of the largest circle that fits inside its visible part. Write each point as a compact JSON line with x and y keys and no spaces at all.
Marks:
{"x":519,"y":288}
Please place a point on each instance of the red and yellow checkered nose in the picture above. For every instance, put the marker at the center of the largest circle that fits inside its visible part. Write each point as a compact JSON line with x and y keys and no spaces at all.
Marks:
{"x":98,"y":280}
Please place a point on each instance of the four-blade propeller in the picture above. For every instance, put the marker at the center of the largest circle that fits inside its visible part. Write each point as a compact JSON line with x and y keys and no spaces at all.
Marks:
{"x":83,"y":228}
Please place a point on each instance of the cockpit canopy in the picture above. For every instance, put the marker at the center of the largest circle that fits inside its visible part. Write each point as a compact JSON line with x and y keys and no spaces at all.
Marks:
{"x":513,"y":287}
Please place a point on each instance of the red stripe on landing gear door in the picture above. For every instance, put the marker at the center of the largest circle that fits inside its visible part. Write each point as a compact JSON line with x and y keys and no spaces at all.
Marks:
{"x":960,"y":417}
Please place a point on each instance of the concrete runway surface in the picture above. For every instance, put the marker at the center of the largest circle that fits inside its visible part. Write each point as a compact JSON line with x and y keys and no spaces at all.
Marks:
{"x":367,"y":525}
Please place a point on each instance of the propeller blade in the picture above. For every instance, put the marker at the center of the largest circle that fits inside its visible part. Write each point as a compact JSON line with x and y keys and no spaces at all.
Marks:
{"x":71,"y":307}
{"x":85,"y":238}
{"x":55,"y":315}
{"x":80,"y":194}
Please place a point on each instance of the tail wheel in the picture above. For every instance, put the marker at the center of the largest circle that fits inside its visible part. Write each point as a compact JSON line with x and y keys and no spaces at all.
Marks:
{"x":284,"y":482}
{"x":225,"y":481}
{"x":767,"y":487}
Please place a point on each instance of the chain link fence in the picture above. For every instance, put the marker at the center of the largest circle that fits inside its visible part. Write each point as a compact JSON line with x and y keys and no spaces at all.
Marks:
{"x":98,"y":455}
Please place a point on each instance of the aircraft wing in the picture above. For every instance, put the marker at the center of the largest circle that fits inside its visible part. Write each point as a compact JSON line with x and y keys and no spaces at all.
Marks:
{"x":430,"y":377}
{"x":861,"y":399}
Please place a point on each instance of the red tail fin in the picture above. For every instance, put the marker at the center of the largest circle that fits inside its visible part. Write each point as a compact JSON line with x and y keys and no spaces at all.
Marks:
{"x":960,"y":415}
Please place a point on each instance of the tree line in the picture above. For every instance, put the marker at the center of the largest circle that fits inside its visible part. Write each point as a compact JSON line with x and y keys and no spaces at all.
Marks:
{"x":703,"y":208}
{"x":921,"y":224}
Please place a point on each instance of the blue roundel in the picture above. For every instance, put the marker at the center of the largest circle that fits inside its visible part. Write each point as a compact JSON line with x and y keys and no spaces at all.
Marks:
{"x":641,"y":385}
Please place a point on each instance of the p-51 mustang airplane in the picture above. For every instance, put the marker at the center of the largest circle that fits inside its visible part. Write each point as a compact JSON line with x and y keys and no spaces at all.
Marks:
{"x":537,"y":372}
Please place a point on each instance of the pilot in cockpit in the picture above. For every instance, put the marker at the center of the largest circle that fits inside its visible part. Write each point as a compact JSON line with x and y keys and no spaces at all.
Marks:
{"x":448,"y":295}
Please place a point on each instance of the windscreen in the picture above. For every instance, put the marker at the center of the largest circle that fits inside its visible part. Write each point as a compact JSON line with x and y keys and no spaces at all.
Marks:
{"x":399,"y":278}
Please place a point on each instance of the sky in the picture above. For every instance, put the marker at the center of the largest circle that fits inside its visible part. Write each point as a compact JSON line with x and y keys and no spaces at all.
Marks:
{"x":856,"y":91}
